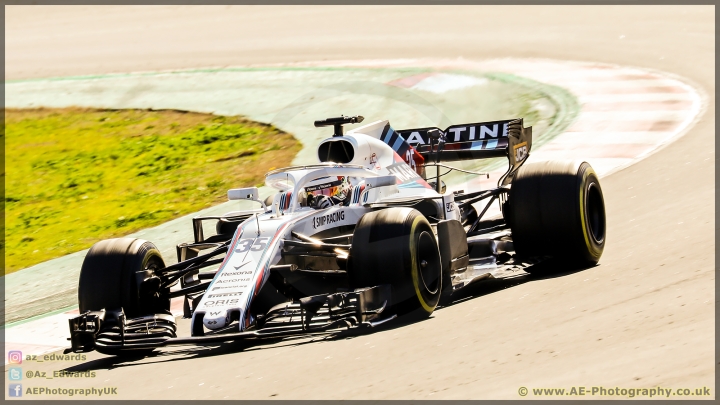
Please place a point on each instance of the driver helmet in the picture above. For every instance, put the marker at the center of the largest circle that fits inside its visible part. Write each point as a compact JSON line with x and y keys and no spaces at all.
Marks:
{"x":335,"y":187}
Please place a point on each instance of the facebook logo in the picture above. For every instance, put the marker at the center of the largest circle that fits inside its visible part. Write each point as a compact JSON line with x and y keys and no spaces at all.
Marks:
{"x":15,"y":390}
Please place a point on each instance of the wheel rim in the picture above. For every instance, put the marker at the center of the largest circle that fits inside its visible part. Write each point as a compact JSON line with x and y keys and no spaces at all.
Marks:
{"x":152,"y":295}
{"x":428,"y":262}
{"x":595,"y":213}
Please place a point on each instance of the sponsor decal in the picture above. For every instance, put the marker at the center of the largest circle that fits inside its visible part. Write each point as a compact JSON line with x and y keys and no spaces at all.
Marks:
{"x":240,"y":265}
{"x":401,"y":147}
{"x":323,"y":186}
{"x":236,"y":273}
{"x":328,"y":219}
{"x":227,"y":286}
{"x":459,"y":133}
{"x":415,"y":138}
{"x":224,"y":295}
{"x":234,"y":280}
{"x":521,"y":151}
{"x":403,"y":172}
{"x":217,"y":303}
{"x":450,"y":206}
{"x":373,"y":159}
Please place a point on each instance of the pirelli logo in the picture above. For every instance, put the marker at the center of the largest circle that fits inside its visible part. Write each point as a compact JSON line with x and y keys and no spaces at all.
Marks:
{"x":224,"y":295}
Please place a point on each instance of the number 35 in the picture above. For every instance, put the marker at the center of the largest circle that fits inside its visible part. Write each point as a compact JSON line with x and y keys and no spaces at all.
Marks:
{"x":253,"y":244}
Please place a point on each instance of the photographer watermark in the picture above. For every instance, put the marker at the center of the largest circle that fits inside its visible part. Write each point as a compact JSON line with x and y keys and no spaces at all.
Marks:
{"x":615,"y":391}
{"x":17,"y":390}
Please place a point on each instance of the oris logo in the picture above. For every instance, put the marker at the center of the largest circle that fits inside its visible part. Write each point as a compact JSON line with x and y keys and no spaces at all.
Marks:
{"x":217,"y":303}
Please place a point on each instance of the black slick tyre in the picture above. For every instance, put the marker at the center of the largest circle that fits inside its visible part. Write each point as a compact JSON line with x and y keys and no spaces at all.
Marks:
{"x":397,"y":246}
{"x":557,"y":209}
{"x":120,"y":273}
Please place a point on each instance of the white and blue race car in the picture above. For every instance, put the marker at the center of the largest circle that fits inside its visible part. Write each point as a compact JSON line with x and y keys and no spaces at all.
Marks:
{"x":356,"y":240}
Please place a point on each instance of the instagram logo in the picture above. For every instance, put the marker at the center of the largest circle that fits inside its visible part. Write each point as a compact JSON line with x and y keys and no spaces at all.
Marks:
{"x":15,"y":357}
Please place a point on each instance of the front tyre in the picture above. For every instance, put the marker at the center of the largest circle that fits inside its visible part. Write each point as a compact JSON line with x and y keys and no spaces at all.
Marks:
{"x":120,"y":273}
{"x":557,"y":209}
{"x":397,"y":246}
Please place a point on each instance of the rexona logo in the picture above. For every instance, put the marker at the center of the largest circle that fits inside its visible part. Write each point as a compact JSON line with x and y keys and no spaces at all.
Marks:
{"x":328,"y":219}
{"x":217,"y":303}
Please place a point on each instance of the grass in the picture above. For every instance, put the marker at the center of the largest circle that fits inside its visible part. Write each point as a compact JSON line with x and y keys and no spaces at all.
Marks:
{"x":76,"y":176}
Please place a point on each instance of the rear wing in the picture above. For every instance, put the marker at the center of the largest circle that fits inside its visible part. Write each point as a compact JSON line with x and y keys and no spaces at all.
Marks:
{"x":476,"y":141}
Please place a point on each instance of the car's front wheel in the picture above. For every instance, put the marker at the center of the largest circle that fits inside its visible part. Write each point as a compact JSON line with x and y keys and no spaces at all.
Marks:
{"x":397,"y":246}
{"x":120,"y":273}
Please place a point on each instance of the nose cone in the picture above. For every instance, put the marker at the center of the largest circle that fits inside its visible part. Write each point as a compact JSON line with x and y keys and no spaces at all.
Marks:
{"x":215,"y":319}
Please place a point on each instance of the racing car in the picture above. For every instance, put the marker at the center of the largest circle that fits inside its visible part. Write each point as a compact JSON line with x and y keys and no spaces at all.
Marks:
{"x":367,"y":234}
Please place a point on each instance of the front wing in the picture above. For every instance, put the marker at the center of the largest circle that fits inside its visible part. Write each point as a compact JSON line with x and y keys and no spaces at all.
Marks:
{"x":109,"y":332}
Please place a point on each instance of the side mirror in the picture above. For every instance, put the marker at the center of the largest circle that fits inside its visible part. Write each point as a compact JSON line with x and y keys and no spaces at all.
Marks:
{"x":248,"y":193}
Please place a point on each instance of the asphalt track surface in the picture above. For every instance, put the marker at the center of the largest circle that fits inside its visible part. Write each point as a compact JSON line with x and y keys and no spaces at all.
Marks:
{"x":643,"y":318}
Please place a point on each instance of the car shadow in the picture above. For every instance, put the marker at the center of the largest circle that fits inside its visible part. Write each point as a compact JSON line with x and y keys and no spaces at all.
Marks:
{"x":189,"y":352}
{"x":545,"y":270}
{"x":554,"y":268}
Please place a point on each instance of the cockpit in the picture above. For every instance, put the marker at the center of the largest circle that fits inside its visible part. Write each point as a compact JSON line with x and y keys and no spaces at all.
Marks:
{"x":319,"y":186}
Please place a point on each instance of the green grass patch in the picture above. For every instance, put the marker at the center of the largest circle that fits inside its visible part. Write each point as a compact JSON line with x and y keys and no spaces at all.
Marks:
{"x":76,"y":176}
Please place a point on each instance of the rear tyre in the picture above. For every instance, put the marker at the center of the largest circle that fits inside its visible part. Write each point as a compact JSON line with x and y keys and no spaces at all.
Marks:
{"x":397,"y":246}
{"x":557,"y":209}
{"x":120,"y":273}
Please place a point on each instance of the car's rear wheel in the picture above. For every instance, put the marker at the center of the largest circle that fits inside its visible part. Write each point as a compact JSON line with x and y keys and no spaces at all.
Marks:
{"x":397,"y":246}
{"x":120,"y":273}
{"x":557,"y":209}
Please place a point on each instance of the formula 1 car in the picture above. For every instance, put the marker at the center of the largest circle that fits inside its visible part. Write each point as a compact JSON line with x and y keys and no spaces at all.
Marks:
{"x":354,"y":241}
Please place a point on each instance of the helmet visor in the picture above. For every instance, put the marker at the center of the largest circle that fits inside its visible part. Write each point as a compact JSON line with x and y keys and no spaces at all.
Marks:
{"x":330,"y":188}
